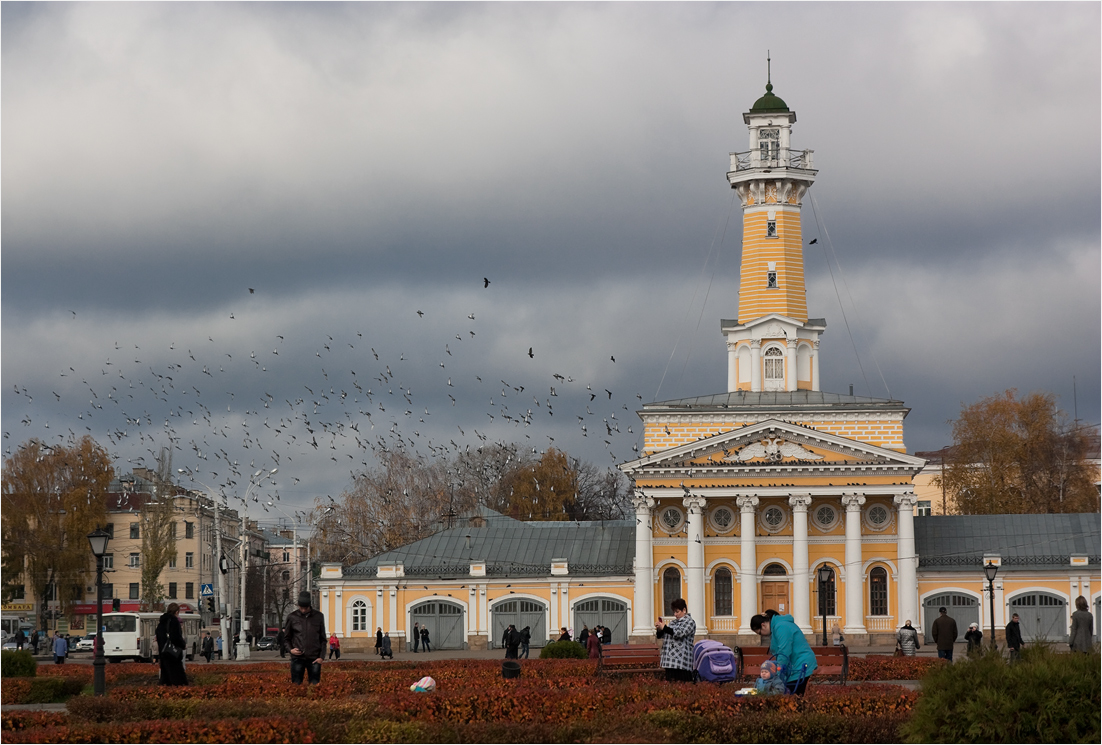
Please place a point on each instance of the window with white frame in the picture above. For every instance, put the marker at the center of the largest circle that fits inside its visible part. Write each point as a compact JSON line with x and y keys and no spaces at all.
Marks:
{"x":770,"y":228}
{"x":769,"y":145}
{"x":172,"y":561}
{"x":189,"y":560}
{"x":771,"y":280}
{"x":108,"y":561}
{"x":924,"y":508}
{"x":722,"y":591}
{"x":135,"y":560}
{"x":359,"y":616}
{"x":878,"y":592}
{"x":774,"y":369}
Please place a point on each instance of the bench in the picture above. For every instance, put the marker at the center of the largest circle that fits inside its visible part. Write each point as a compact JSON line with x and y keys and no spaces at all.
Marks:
{"x":833,"y":662}
{"x":618,"y":659}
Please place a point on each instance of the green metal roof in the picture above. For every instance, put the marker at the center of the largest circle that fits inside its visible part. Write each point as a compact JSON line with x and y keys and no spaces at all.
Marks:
{"x":512,"y":548}
{"x":780,"y":401}
{"x":769,"y":102}
{"x":1021,"y":541}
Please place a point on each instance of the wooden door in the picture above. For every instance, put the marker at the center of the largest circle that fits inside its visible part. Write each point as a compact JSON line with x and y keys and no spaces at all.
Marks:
{"x":775,"y":595}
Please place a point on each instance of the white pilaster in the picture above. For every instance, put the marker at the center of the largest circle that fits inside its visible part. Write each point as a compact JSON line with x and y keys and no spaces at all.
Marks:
{"x":907,"y":560}
{"x":790,"y":366}
{"x":338,"y":612}
{"x":748,"y":561}
{"x":393,"y":622}
{"x":564,"y":599}
{"x":484,"y":610}
{"x":475,"y":615}
{"x":694,"y":506}
{"x":855,"y":615}
{"x":755,"y":365}
{"x":801,"y":589}
{"x":643,"y":607}
{"x":815,"y":365}
{"x":732,"y":366}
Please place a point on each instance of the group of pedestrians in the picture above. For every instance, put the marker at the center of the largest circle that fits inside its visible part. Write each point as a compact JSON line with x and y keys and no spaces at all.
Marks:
{"x":516,"y":643}
{"x":420,"y":636}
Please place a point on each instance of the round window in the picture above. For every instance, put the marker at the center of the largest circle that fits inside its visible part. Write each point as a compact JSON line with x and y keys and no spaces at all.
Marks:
{"x":773,"y":518}
{"x":671,"y":519}
{"x":877,"y":517}
{"x":722,"y":518}
{"x":825,"y":517}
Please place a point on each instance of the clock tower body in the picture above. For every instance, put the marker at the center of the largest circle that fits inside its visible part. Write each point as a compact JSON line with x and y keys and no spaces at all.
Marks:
{"x":773,"y":345}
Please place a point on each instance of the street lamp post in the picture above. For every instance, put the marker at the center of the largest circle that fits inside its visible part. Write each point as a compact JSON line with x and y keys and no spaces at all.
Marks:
{"x":989,"y":571}
{"x":824,"y":578}
{"x":98,"y":540}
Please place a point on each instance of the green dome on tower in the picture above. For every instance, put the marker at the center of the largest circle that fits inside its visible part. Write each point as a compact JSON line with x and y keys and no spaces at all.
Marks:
{"x":769,"y":102}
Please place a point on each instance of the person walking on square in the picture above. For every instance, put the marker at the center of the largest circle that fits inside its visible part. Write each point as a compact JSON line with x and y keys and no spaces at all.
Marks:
{"x":387,"y":651}
{"x":280,"y":638}
{"x":907,"y":639}
{"x":944,"y":632}
{"x":788,"y":645}
{"x":20,"y":639}
{"x":416,"y":636}
{"x":61,"y":648}
{"x":1014,"y":637}
{"x":606,"y":635}
{"x":378,"y":639}
{"x":171,"y":646}
{"x":34,"y":641}
{"x":512,"y":642}
{"x":208,"y":646}
{"x":677,"y":643}
{"x":1082,"y":624}
{"x":974,"y":637}
{"x":305,"y":637}
{"x":218,"y":646}
{"x":593,"y":645}
{"x":425,"y":639}
{"x":335,"y":646}
{"x":525,"y":641}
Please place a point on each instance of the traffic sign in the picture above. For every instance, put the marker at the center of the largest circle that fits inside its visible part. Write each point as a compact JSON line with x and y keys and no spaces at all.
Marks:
{"x":206,"y":590}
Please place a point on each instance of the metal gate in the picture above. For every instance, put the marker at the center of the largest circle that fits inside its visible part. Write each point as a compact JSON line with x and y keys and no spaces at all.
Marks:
{"x":444,"y":622}
{"x":1043,"y":616}
{"x":520,"y":613}
{"x":603,"y":612}
{"x":964,"y":609}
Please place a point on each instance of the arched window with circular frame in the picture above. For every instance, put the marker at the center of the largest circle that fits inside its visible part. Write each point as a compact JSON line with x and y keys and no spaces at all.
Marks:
{"x":773,"y":359}
{"x":773,"y":518}
{"x":671,"y":590}
{"x":722,"y":519}
{"x":877,"y":517}
{"x":359,"y":616}
{"x":722,"y":592}
{"x":671,"y":519}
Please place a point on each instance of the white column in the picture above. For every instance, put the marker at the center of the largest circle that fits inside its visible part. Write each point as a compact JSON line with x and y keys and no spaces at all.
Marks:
{"x":378,"y":610}
{"x":755,"y":365}
{"x":694,"y":506}
{"x":790,"y":366}
{"x":855,"y":585}
{"x":564,"y":598}
{"x":475,"y":617}
{"x":643,"y":606}
{"x":748,"y":563}
{"x":338,"y":611}
{"x":907,"y":561}
{"x":801,"y":589}
{"x":484,"y":610}
{"x":732,"y":366}
{"x":815,"y":365}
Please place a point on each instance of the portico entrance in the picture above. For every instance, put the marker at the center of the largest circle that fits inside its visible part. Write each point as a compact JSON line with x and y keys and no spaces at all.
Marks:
{"x":774,"y":590}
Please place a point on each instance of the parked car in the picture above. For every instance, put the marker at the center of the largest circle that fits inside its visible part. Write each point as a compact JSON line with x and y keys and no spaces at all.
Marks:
{"x":266,"y":642}
{"x":9,"y":645}
{"x":86,"y":643}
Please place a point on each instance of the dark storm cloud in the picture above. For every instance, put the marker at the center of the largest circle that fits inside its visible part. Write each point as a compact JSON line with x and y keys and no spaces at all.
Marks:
{"x":357,"y":162}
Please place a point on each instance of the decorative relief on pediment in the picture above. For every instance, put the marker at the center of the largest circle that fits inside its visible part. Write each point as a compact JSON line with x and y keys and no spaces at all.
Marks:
{"x":773,"y":330}
{"x":772,"y":449}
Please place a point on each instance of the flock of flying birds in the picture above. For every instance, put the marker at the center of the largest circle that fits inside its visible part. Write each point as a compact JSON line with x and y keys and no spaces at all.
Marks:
{"x":227,"y":412}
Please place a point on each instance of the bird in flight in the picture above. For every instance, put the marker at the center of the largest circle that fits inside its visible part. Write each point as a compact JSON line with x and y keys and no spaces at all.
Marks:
{"x":420,"y":314}
{"x":530,"y":354}
{"x":486,"y":283}
{"x":813,"y":241}
{"x":613,"y":359}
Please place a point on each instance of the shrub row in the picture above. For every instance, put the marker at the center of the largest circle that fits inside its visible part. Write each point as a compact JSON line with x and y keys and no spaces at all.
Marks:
{"x":257,"y":729}
{"x":884,"y":667}
{"x":39,"y":690}
{"x":17,"y":663}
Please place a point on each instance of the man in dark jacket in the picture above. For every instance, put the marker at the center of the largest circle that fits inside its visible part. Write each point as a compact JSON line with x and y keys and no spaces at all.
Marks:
{"x":944,"y":632}
{"x":606,"y":635}
{"x":304,"y":634}
{"x":1014,"y":637}
{"x":512,"y":642}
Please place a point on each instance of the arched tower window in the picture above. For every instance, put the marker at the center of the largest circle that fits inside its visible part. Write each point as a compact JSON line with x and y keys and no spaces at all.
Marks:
{"x":774,"y":369}
{"x":721,"y":589}
{"x":671,"y":590}
{"x":825,"y":600}
{"x":359,"y":616}
{"x":878,"y":592}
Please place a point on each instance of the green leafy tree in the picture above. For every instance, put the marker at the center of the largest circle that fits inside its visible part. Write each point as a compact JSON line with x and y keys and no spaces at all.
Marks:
{"x":53,"y":497}
{"x":1016,"y":456}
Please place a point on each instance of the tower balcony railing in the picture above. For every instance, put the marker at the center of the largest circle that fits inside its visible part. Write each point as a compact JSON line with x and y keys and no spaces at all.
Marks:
{"x":784,"y":158}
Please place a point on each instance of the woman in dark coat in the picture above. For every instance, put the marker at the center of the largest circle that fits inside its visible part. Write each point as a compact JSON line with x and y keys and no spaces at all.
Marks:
{"x":170,"y":631}
{"x":378,"y":639}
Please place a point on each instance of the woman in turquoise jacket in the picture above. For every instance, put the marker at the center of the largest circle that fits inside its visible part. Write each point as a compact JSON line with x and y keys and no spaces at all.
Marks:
{"x":788,"y":645}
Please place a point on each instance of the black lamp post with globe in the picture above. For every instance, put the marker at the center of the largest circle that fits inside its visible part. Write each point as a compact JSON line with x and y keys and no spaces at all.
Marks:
{"x":824,"y":577}
{"x":98,"y":540}
{"x":990,"y":570}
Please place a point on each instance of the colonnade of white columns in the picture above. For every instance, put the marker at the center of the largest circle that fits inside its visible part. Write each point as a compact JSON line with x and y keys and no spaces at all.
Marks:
{"x":802,"y":574}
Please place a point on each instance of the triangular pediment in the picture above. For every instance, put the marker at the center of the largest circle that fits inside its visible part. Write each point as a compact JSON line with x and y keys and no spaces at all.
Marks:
{"x":772,"y":443}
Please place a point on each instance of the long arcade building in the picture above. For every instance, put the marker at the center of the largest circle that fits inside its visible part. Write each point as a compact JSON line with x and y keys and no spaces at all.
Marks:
{"x":741,"y":498}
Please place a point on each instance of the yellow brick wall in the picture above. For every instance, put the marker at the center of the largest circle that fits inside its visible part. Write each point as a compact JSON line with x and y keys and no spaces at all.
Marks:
{"x":789,"y":298}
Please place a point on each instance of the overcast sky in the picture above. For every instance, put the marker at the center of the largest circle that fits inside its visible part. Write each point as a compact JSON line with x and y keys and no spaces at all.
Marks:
{"x":354,"y":164}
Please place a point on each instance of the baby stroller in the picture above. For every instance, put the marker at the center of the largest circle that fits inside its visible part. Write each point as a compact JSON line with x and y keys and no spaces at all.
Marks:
{"x":714,"y":662}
